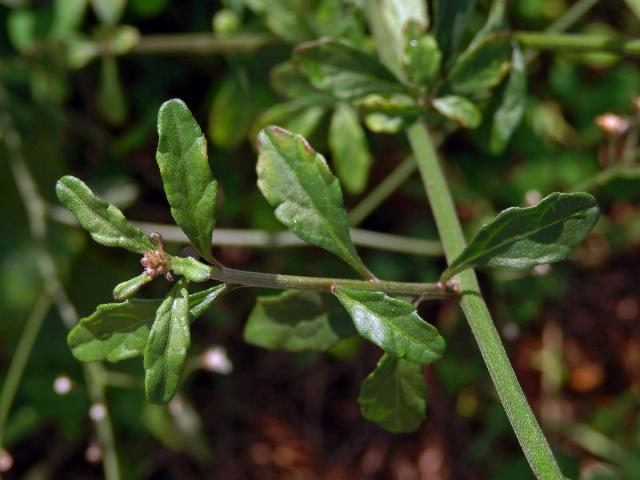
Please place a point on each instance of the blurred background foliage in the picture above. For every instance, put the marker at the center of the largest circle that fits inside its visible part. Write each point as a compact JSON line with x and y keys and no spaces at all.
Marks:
{"x":80,"y":86}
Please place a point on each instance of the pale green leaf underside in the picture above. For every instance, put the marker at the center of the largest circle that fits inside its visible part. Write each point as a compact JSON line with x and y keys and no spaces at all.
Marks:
{"x":392,"y":324}
{"x":118,"y":331}
{"x":307,"y":197}
{"x":394,"y":395}
{"x":525,"y":237}
{"x":167,"y":345}
{"x":188,"y":182}
{"x":296,"y":321}
{"x":105,"y":223}
{"x":458,"y":109}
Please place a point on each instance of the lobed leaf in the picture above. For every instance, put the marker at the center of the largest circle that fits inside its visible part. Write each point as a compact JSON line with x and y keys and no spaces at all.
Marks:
{"x":295,"y":321}
{"x":481,"y":67}
{"x":458,"y":109}
{"x":298,"y":183}
{"x":349,"y":149}
{"x":188,"y":182}
{"x":344,"y":71}
{"x":167,"y":345}
{"x":394,"y":395}
{"x":129,"y":288}
{"x":118,"y":331}
{"x":526,"y":237}
{"x":105,"y":222}
{"x":392,"y":324}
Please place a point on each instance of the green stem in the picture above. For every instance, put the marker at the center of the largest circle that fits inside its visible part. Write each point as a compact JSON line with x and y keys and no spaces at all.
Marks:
{"x":575,"y":42}
{"x":321,"y":284}
{"x":523,"y":421}
{"x":574,"y":13}
{"x":198,"y":44}
{"x":264,"y":239}
{"x":605,"y":176}
{"x":20,"y":357}
{"x":382,"y":191}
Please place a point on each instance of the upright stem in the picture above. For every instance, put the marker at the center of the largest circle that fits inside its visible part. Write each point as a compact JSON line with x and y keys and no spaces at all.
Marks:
{"x":524,"y":423}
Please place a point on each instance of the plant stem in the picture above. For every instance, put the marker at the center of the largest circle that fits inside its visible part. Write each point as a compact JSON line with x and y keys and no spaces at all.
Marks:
{"x":321,"y":284}
{"x":605,"y":176}
{"x":36,"y":213}
{"x":571,"y":15}
{"x":524,"y":423}
{"x":382,"y":191}
{"x":575,"y":42}
{"x":20,"y":357}
{"x":264,"y":239}
{"x":199,"y":43}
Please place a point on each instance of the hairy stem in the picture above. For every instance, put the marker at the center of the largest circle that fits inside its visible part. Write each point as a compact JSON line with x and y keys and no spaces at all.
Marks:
{"x":523,"y":421}
{"x":321,"y":284}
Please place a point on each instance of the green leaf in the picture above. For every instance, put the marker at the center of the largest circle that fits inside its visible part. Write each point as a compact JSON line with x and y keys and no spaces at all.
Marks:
{"x":349,"y":149}
{"x":166,"y":350}
{"x":634,"y":6}
{"x":232,"y":111}
{"x":287,"y":80}
{"x":392,"y":324}
{"x":421,"y":55}
{"x":119,"y":331}
{"x":188,"y":182}
{"x":283,"y":18}
{"x":344,"y":71}
{"x":295,"y":116}
{"x":295,"y":321}
{"x":105,"y":222}
{"x":495,"y":21}
{"x":481,"y":67}
{"x":129,"y":288}
{"x":190,"y":268}
{"x":307,"y":197}
{"x":21,"y":28}
{"x":67,"y":17}
{"x":450,"y":22}
{"x":526,"y":237}
{"x":458,"y":109}
{"x":506,"y":107}
{"x":389,"y":19}
{"x":111,"y":101}
{"x":394,"y":395}
{"x":108,"y":11}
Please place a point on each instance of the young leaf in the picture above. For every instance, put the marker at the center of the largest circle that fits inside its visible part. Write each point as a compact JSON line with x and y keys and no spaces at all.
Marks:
{"x":188,"y":182}
{"x":297,"y":181}
{"x":450,"y":22}
{"x":392,"y":324}
{"x":481,"y":67}
{"x":232,"y":111}
{"x":421,"y":55}
{"x":111,"y":101}
{"x":295,"y":321}
{"x":129,"y":288}
{"x":506,"y":108}
{"x":526,"y":237}
{"x":105,"y":222}
{"x":344,"y":71}
{"x":190,"y":268}
{"x":166,"y":350}
{"x":458,"y":109}
{"x":349,"y":149}
{"x":118,"y":331}
{"x":295,"y":116}
{"x":394,"y":395}
{"x":108,"y":11}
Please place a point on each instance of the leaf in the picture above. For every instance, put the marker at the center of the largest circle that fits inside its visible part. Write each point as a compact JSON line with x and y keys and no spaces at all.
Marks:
{"x":307,"y":197}
{"x":21,"y":28}
{"x":349,"y":149}
{"x":129,"y":288}
{"x":481,"y":67}
{"x":118,"y":331}
{"x":495,"y":21}
{"x":188,"y":182}
{"x":295,"y":321}
{"x":392,"y":324}
{"x":526,"y":237}
{"x":284,"y":19}
{"x":67,"y":18}
{"x":394,"y":395}
{"x":344,"y":71}
{"x":111,"y":101}
{"x":287,"y":80}
{"x":506,"y":108}
{"x":389,"y":19}
{"x":634,"y":6}
{"x":106,"y":223}
{"x":167,"y":345}
{"x":190,"y":268}
{"x":108,"y":11}
{"x":232,"y":111}
{"x":450,"y":22}
{"x":421,"y":55}
{"x":458,"y":109}
{"x":295,"y":116}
